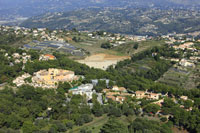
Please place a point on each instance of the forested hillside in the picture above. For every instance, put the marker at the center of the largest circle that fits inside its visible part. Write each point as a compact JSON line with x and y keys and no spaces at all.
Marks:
{"x":121,"y":20}
{"x":30,"y":109}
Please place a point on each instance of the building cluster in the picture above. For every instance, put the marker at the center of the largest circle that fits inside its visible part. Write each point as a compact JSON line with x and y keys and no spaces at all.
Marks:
{"x":47,"y":78}
{"x":21,"y":58}
{"x":46,"y":35}
{"x":18,"y":58}
{"x":118,"y":94}
{"x":40,"y":33}
{"x":51,"y":77}
{"x":187,"y":45}
{"x":19,"y":81}
{"x":118,"y":39}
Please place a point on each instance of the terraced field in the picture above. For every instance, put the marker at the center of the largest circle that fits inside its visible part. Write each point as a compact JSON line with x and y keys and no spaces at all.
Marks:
{"x":188,"y":78}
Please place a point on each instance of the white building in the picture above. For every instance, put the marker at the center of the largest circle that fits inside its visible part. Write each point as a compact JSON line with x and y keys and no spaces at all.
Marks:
{"x":186,"y":63}
{"x":85,"y":89}
{"x":16,"y":55}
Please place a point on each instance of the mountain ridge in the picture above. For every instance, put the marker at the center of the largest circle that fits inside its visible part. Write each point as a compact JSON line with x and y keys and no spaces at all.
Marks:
{"x":29,"y":8}
{"x":120,"y":20}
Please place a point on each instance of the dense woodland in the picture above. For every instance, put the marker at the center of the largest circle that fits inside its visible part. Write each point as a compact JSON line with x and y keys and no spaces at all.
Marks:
{"x":26,"y":108}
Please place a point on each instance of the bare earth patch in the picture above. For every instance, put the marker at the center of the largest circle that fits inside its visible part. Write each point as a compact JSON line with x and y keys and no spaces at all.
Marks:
{"x":102,"y":61}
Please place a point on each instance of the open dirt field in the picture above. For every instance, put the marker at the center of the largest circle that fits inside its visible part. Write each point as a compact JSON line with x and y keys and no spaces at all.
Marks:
{"x":102,"y":61}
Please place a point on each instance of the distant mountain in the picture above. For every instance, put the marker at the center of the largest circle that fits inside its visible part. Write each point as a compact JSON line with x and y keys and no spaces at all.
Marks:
{"x":27,"y":8}
{"x":121,"y":20}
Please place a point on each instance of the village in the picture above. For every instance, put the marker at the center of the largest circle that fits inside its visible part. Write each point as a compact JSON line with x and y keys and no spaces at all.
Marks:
{"x":50,"y":78}
{"x":100,"y":66}
{"x":46,"y":71}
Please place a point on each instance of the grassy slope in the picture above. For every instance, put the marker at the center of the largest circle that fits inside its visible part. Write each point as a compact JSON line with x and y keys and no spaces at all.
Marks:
{"x":94,"y":46}
{"x":144,"y":45}
{"x":98,"y":122}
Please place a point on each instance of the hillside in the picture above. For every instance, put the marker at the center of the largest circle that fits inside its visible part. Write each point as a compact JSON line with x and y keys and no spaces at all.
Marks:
{"x":121,"y":20}
{"x":13,"y":12}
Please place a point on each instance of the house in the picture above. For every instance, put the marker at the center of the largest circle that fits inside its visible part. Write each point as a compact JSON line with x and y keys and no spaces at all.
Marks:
{"x":120,"y":89}
{"x":113,"y":98}
{"x":85,"y":89}
{"x":148,"y":95}
{"x":112,"y":93}
{"x":16,"y":55}
{"x":6,"y":54}
{"x":47,"y":57}
{"x":153,"y":96}
{"x":120,"y":99}
{"x":140,"y":94}
{"x":17,"y":61}
{"x":184,"y":98}
{"x":186,"y":63}
{"x":26,"y":57}
{"x":126,"y":94}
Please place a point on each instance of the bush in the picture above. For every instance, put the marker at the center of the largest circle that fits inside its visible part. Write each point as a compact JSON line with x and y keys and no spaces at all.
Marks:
{"x":136,"y":46}
{"x":106,"y":45}
{"x":163,"y":119}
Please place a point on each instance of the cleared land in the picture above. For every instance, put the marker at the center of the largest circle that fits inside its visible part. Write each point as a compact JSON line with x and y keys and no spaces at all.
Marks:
{"x":102,"y":61}
{"x":103,"y":58}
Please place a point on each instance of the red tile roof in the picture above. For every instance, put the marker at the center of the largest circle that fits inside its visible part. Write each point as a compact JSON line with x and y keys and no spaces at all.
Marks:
{"x":50,"y":56}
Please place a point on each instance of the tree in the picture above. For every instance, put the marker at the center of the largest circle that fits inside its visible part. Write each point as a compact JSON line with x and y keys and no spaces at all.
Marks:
{"x":163,"y":119}
{"x":97,"y":109}
{"x":13,"y":121}
{"x":111,"y":84}
{"x":64,"y":87}
{"x":28,"y":127}
{"x":114,"y":126}
{"x":2,"y":120}
{"x":61,"y":127}
{"x":23,"y":112}
{"x":106,"y":45}
{"x":140,"y":125}
{"x":115,"y":112}
{"x":152,"y":108}
{"x":136,"y":45}
{"x":188,"y":104}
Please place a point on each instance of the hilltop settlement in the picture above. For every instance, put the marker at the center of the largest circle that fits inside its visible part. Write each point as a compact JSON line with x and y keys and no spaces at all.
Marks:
{"x":44,"y":88}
